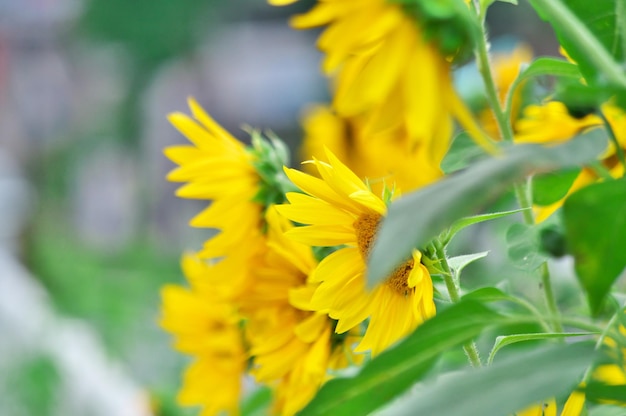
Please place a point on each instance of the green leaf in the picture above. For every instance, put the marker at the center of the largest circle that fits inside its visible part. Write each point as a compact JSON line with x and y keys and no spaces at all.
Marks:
{"x":523,"y":247}
{"x":475,"y":219}
{"x":550,"y":187}
{"x":487,"y":294}
{"x":522,"y":379}
{"x":595,"y":227}
{"x":414,"y":219}
{"x":541,"y":67}
{"x":462,"y":152}
{"x":592,"y":34}
{"x":395,"y":370}
{"x":458,"y":263}
{"x":257,"y":403}
{"x":607,"y":411}
{"x":503,"y":341}
{"x":484,"y":5}
{"x":599,"y":392}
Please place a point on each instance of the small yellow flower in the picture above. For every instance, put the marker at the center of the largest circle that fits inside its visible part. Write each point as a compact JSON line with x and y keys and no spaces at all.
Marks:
{"x":339,"y":210}
{"x":219,"y":168}
{"x":552,"y":123}
{"x":206,"y":327}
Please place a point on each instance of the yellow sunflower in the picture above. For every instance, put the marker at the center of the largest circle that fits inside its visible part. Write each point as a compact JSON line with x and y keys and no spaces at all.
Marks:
{"x":388,"y":71}
{"x":573,"y":407}
{"x":292,"y":347}
{"x":552,"y":123}
{"x":206,"y":327}
{"x":385,"y":157}
{"x":219,"y":168}
{"x":339,"y":210}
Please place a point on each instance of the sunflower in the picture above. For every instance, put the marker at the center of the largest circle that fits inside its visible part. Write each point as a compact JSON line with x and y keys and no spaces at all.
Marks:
{"x":388,"y":71}
{"x":206,"y":327}
{"x":292,"y":347}
{"x":552,"y":123}
{"x":339,"y":210}
{"x":219,"y":168}
{"x":385,"y":157}
{"x":573,"y":407}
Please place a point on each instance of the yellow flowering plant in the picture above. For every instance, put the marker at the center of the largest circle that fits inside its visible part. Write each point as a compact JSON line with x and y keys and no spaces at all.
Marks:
{"x":341,"y":286}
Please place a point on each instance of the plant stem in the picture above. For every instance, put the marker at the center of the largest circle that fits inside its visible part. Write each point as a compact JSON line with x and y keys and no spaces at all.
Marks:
{"x":546,"y":283}
{"x":454,"y":292}
{"x":484,"y":67}
{"x":504,"y":125}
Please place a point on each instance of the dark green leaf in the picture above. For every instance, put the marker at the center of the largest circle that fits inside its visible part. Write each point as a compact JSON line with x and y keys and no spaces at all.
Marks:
{"x":393,"y":371}
{"x":600,"y":392}
{"x":600,"y":19}
{"x":522,"y":379}
{"x":417,"y":217}
{"x":550,"y":187}
{"x":595,"y":227}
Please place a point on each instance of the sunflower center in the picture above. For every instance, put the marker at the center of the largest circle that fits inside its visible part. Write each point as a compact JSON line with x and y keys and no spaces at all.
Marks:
{"x":366,"y":227}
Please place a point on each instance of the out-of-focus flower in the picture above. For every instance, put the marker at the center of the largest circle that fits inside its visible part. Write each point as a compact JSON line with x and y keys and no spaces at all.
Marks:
{"x":506,"y":68}
{"x":339,"y":210}
{"x":385,"y":157}
{"x":206,"y":327}
{"x":387,"y":71}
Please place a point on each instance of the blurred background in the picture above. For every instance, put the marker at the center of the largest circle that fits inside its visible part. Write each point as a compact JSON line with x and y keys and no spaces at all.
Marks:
{"x":89,"y":228}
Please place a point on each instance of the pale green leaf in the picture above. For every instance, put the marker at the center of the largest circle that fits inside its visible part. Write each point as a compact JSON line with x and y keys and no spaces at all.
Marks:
{"x":414,"y":219}
{"x":458,"y":263}
{"x":523,"y":378}
{"x":503,"y":341}
{"x":475,"y":219}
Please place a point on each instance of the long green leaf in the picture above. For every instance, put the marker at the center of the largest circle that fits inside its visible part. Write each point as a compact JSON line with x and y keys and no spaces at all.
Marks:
{"x":475,"y":219}
{"x":522,"y":379}
{"x":392,"y":372}
{"x":592,"y":34}
{"x":595,"y":228}
{"x":417,"y":217}
{"x":541,"y":67}
{"x":504,"y":340}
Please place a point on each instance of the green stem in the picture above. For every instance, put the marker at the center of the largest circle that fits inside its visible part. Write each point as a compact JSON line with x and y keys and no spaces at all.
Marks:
{"x":484,"y":67}
{"x":524,"y":202}
{"x":572,"y":28}
{"x":470,"y":348}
